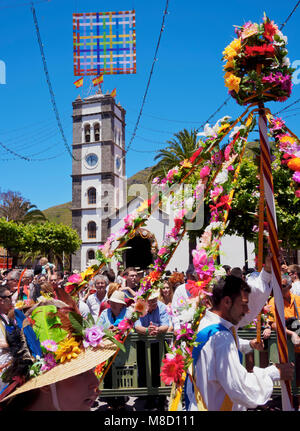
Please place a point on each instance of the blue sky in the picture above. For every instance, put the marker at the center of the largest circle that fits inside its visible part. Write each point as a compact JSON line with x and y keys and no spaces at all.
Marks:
{"x":186,"y":87}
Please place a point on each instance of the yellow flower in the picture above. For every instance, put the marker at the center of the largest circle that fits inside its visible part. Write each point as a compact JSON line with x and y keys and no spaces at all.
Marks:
{"x":249,"y":120}
{"x":223,"y":127}
{"x":232,"y":49}
{"x":186,"y":164}
{"x":232,"y":82}
{"x":89,"y":272}
{"x":143,"y":206}
{"x":288,"y":139}
{"x":229,"y":64}
{"x":67,"y":349}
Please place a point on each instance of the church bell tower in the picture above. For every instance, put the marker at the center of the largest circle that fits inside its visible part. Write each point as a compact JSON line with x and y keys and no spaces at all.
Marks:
{"x":98,"y":171}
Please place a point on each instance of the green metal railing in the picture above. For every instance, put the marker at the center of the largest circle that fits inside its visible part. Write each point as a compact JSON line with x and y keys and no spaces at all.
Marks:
{"x":132,"y":372}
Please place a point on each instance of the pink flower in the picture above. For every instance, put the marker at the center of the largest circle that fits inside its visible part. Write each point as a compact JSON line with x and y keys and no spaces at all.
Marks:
{"x":216,"y":192}
{"x":49,"y":362}
{"x":230,"y":168}
{"x":75,"y":279}
{"x":205,"y":171}
{"x":163,"y":250}
{"x":93,"y":336}
{"x":227,"y":151}
{"x":296,"y":176}
{"x":199,"y":257}
{"x":297,"y":193}
{"x":125,"y":324}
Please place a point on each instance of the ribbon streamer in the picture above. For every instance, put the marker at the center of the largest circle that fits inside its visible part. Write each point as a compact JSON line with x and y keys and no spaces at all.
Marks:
{"x":273,"y":240}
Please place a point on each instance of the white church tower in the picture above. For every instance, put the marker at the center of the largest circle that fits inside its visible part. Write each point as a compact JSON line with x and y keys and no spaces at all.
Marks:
{"x":98,"y":171}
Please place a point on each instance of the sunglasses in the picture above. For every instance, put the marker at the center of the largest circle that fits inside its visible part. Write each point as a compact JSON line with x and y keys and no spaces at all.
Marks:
{"x":6,"y":296}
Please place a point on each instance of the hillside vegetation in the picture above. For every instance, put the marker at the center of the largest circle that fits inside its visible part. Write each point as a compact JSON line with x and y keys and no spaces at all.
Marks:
{"x":62,"y":213}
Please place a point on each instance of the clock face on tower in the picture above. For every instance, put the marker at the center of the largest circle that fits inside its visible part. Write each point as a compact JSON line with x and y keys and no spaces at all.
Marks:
{"x":118,"y":163}
{"x":91,"y":159}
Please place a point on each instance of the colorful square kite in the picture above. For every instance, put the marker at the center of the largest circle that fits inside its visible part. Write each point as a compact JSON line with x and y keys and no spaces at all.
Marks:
{"x":104,"y":43}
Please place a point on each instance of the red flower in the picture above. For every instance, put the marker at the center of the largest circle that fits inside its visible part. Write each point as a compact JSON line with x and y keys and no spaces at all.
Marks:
{"x":195,"y":287}
{"x":195,"y":155}
{"x":265,"y":50}
{"x":269,"y":32}
{"x":172,"y":369}
{"x":178,"y":223}
{"x":69,"y":288}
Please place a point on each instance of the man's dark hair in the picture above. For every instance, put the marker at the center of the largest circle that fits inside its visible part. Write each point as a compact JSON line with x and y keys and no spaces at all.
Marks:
{"x":110,"y":274}
{"x":128,"y":270}
{"x":38,"y":269}
{"x":60,"y":275}
{"x":228,"y":286}
{"x":3,"y":289}
{"x":227,"y":268}
{"x":237,"y":272}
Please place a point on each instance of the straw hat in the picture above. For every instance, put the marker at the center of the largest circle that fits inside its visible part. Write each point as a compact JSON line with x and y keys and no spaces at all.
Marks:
{"x":118,"y":297}
{"x":85,"y":361}
{"x":87,"y":358}
{"x":154,"y":294}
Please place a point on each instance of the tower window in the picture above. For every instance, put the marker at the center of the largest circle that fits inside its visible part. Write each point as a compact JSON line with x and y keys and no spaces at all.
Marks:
{"x":97,"y":132}
{"x":91,"y":228}
{"x":91,"y":254}
{"x":92,"y":195}
{"x":87,"y":133}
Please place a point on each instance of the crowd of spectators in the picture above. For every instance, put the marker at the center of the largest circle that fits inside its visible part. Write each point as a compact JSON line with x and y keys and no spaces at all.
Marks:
{"x":108,"y":298}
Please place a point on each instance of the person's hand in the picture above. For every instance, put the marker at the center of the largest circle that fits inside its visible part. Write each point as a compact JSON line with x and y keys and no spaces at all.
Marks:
{"x":152,"y":329}
{"x":295,"y":338}
{"x":286,"y":370}
{"x":267,"y":332}
{"x":268,"y":263}
{"x":257,"y":345}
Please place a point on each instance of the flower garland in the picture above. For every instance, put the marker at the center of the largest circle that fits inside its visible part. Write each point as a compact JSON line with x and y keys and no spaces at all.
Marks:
{"x":218,"y":160}
{"x":257,"y":68}
{"x":191,"y":310}
{"x":288,"y":149}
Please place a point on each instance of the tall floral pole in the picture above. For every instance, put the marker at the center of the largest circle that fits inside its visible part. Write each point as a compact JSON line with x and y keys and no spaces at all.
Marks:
{"x":258,"y":71}
{"x":274,"y":246}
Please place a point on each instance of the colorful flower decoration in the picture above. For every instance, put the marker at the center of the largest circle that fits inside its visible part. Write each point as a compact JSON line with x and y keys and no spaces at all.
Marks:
{"x":257,"y":68}
{"x":287,"y":149}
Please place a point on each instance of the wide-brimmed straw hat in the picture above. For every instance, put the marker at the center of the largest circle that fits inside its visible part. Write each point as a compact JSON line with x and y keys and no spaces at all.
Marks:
{"x":118,"y":297}
{"x":39,"y":322}
{"x":85,"y":361}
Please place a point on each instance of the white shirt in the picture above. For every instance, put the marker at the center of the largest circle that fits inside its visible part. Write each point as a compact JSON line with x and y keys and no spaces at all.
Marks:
{"x":261,"y":289}
{"x":83,"y":308}
{"x":5,"y":355}
{"x":180,"y":292}
{"x":295,"y":289}
{"x":94,"y":305}
{"x":218,"y":372}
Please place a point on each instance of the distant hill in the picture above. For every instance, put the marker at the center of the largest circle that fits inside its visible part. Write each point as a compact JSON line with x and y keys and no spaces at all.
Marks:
{"x":62,"y":213}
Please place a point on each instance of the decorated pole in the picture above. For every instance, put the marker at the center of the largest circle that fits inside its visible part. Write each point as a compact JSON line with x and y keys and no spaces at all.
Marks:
{"x":274,"y":246}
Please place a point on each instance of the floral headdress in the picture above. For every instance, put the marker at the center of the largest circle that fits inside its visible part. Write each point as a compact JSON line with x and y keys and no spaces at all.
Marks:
{"x":51,"y":343}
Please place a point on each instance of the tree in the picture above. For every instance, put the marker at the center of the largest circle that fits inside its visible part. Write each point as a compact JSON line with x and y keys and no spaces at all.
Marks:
{"x":181,"y":147}
{"x":48,"y":239}
{"x":242,"y":216}
{"x":13,"y":206}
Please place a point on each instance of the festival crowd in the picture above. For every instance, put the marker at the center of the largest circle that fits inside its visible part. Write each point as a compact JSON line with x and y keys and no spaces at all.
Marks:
{"x":109,"y":296}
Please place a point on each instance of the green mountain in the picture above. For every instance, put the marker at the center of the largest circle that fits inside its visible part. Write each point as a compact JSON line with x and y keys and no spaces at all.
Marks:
{"x":62,"y":213}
